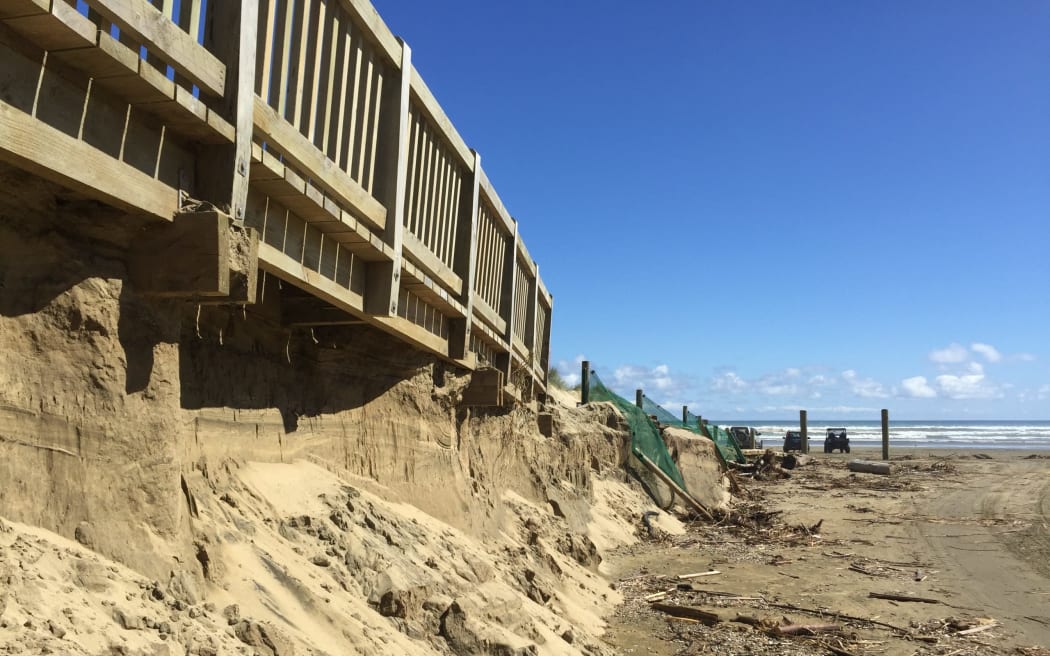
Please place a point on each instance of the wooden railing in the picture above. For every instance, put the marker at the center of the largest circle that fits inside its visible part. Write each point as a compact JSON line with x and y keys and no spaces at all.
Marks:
{"x":304,"y":119}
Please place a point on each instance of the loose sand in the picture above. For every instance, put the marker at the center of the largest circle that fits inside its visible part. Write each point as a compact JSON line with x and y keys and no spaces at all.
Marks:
{"x":967,"y":530}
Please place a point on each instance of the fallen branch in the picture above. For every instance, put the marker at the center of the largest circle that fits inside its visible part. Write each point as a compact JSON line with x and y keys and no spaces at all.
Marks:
{"x":841,"y":616}
{"x":977,"y":629}
{"x":805,"y":629}
{"x":688,"y":612}
{"x":896,"y":597}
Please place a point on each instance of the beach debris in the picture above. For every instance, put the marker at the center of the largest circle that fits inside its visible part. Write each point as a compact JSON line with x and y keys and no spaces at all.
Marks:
{"x":712,"y":572}
{"x":868,"y":467}
{"x":768,"y":467}
{"x":901,"y":597}
{"x":647,"y":521}
{"x":659,"y":595}
{"x":688,"y":612}
{"x":794,"y":460}
{"x":977,"y":629}
{"x":805,"y":629}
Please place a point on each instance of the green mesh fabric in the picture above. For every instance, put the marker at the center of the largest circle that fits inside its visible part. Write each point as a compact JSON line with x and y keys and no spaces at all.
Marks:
{"x":645,"y":435}
{"x":723,"y":439}
{"x":663,"y":416}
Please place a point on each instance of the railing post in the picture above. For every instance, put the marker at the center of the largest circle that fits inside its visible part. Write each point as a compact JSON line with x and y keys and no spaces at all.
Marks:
{"x":585,"y":382}
{"x":510,"y":274}
{"x":638,"y":396}
{"x":383,"y":279}
{"x":685,"y":415}
{"x":545,"y":356}
{"x":222,"y":171}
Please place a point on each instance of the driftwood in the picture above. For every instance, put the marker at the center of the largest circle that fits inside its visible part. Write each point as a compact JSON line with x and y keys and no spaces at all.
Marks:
{"x":682,"y":577}
{"x":841,"y":616}
{"x":977,"y":629}
{"x":805,"y":629}
{"x":793,"y":460}
{"x":658,"y":595}
{"x":897,"y":597}
{"x":868,"y":467}
{"x":688,"y":612}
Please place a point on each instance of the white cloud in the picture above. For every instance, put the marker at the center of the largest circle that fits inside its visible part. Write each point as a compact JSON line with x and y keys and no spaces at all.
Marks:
{"x":917,"y":388}
{"x":1023,"y":357}
{"x":864,"y":387}
{"x":953,"y":354}
{"x":968,"y":386}
{"x":730,"y":382}
{"x":990,"y":353}
{"x":1044,"y":393}
{"x":629,"y":377}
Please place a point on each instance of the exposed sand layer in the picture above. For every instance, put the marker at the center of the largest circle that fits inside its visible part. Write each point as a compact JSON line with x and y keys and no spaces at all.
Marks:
{"x":966,"y":531}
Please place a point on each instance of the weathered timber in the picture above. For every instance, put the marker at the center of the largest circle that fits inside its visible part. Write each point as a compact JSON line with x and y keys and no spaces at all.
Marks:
{"x":545,"y":422}
{"x":805,"y":629}
{"x":200,"y":255}
{"x":688,"y":612}
{"x":900,"y":597}
{"x":486,"y":388}
{"x":868,"y":467}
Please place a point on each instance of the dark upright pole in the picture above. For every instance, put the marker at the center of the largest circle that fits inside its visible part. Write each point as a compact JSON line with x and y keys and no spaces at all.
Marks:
{"x":885,"y":434}
{"x":585,"y":382}
{"x":802,"y":427}
{"x":638,"y":394}
{"x":685,"y":415}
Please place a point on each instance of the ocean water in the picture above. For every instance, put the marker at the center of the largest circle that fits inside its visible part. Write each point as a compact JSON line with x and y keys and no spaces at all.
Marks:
{"x":985,"y":434}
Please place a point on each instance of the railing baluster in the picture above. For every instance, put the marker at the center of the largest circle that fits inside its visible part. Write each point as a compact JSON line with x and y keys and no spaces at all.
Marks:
{"x":264,"y":64}
{"x":302,"y":61}
{"x":335,"y":43}
{"x":345,"y":92}
{"x":377,"y":106}
{"x":319,"y":92}
{"x":363,"y":117}
{"x":285,"y":59}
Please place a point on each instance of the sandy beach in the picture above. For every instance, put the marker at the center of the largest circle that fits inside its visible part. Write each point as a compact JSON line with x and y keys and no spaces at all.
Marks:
{"x":960,"y":537}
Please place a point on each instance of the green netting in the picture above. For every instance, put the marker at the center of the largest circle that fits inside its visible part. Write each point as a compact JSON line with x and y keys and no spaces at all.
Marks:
{"x":645,"y":436}
{"x":722,"y":438}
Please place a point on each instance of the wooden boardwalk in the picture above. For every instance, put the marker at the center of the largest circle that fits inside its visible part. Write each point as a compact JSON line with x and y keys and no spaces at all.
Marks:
{"x":306,"y":125}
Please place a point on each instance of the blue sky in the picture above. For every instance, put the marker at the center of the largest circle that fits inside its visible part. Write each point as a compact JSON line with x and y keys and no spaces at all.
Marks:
{"x":753,"y":208}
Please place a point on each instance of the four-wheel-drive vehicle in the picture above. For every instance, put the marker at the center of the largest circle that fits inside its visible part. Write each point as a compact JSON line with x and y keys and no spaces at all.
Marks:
{"x":745,"y":437}
{"x":792,"y":441}
{"x":836,"y":439}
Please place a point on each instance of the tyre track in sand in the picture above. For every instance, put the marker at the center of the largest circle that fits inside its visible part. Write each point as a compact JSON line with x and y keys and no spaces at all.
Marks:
{"x":991,"y":542}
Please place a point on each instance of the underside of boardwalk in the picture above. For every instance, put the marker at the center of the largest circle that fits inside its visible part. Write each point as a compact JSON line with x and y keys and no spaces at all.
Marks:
{"x":283,"y":155}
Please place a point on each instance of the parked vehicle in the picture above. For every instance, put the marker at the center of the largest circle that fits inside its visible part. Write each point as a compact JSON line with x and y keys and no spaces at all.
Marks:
{"x":836,"y":439}
{"x":792,"y":441}
{"x":745,"y":437}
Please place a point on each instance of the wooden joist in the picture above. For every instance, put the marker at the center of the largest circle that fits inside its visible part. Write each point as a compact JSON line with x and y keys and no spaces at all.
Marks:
{"x":281,"y":183}
{"x":35,"y":146}
{"x":271,"y":128}
{"x":164,"y":38}
{"x":15,"y":8}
